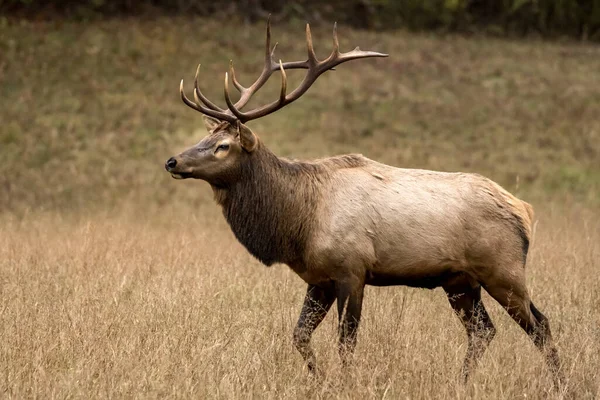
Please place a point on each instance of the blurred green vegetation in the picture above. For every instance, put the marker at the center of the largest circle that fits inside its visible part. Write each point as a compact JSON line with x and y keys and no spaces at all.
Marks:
{"x":90,"y":110}
{"x":576,"y":18}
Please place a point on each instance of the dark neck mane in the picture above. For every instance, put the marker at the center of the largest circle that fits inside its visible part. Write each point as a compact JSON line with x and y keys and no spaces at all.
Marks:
{"x":271,"y":208}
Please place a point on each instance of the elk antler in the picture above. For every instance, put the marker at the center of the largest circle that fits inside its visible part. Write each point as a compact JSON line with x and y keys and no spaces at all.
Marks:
{"x":312,"y":64}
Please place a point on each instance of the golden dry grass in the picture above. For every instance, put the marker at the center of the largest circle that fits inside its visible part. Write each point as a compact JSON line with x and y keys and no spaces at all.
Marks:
{"x":169,"y":305}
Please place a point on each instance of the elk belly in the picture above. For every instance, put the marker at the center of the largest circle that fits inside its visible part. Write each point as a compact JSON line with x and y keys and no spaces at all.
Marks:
{"x":425,"y":281}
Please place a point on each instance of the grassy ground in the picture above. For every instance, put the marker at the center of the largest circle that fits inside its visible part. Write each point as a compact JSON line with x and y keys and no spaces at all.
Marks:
{"x":117,"y":281}
{"x":171,"y":306}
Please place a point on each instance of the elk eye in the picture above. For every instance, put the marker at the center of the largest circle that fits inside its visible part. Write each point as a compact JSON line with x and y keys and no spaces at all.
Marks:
{"x":222,"y":147}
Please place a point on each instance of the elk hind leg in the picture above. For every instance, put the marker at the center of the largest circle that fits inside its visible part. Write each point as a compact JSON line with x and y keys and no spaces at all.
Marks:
{"x":466,"y":303}
{"x":510,"y":291}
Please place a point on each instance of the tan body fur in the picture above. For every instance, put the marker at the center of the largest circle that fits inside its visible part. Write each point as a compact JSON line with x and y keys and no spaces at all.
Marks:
{"x":414,"y":224}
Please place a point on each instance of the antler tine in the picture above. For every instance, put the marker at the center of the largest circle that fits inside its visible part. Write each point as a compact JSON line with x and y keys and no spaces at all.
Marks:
{"x":283,"y":83}
{"x":353,"y":55}
{"x":268,"y":53}
{"x":237,"y":85}
{"x":230,"y":104}
{"x":204,"y":110}
{"x":199,"y":97}
{"x":312,"y":57}
{"x":273,"y":50}
{"x":336,"y":43}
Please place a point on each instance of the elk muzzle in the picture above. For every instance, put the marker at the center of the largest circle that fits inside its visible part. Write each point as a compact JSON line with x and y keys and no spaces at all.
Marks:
{"x":171,"y":166}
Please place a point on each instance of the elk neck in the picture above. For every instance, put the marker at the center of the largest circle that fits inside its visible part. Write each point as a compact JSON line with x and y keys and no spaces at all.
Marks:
{"x":271,"y":209}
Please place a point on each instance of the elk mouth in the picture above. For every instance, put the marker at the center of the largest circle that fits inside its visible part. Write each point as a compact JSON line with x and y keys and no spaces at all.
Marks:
{"x":181,"y":175}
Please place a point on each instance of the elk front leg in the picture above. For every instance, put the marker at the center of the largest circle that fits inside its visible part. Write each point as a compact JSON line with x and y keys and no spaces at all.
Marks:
{"x":317,"y":303}
{"x":349,"y":295}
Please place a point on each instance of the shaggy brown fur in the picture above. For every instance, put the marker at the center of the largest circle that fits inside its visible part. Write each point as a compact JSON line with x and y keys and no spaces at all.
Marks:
{"x":256,"y":214}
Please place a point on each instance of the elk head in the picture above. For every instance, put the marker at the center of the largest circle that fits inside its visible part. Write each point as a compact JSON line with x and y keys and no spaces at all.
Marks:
{"x":218,"y":158}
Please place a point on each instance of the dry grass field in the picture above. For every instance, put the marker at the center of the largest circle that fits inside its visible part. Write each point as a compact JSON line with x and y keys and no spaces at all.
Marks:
{"x":118,"y":282}
{"x":169,"y":305}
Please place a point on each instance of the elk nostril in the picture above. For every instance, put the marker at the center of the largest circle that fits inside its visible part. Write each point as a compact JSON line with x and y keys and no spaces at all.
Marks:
{"x":171,"y":163}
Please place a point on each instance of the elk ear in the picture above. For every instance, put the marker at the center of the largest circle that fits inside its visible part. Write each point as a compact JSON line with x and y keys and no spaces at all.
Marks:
{"x":248,"y":139}
{"x":211,"y":123}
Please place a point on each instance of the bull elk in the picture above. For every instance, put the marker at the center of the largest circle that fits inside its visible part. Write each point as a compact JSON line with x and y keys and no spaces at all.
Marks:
{"x":344,"y":222}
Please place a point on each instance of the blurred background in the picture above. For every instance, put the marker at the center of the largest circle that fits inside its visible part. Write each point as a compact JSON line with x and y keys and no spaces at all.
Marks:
{"x":90,"y":107}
